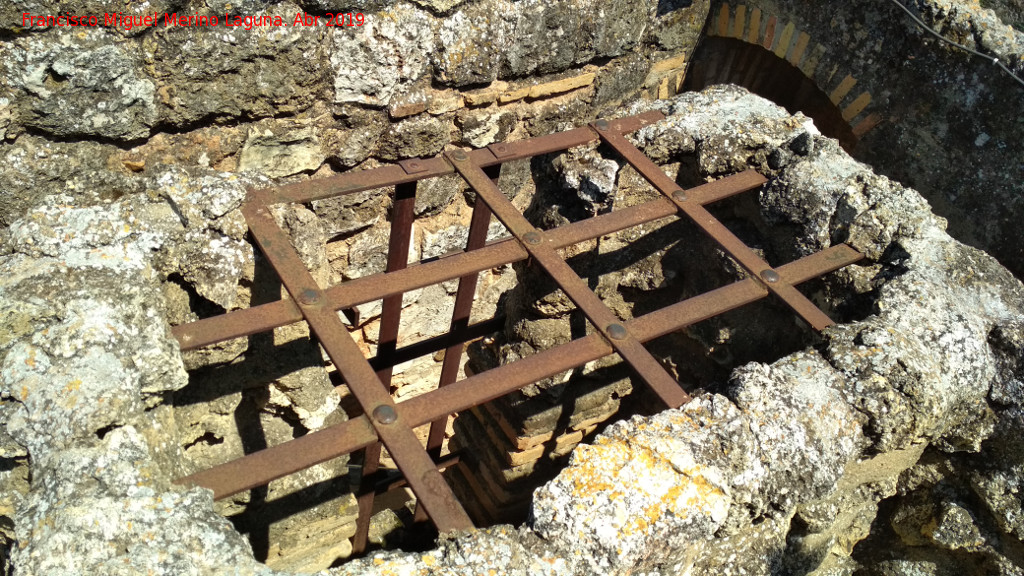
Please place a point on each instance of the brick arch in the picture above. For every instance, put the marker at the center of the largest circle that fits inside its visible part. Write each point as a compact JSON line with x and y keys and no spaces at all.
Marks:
{"x":782,"y":38}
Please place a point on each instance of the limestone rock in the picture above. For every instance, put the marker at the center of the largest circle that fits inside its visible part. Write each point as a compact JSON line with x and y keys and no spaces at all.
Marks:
{"x":209,"y":253}
{"x":422,"y":137}
{"x":441,"y":6}
{"x":33,"y":168}
{"x":286,"y":153}
{"x":201,"y":72}
{"x":84,"y":85}
{"x":378,"y":60}
{"x":479,"y":43}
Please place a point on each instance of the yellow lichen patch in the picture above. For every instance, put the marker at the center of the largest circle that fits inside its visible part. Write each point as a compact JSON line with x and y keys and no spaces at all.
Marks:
{"x":592,"y":464}
{"x":73,"y":386}
{"x":24,"y":393}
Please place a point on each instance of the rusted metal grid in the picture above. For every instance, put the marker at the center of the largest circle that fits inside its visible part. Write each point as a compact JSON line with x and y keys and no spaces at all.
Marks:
{"x":384,"y":421}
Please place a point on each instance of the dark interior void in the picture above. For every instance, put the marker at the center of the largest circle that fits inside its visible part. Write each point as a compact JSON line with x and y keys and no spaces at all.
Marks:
{"x":731,"y":61}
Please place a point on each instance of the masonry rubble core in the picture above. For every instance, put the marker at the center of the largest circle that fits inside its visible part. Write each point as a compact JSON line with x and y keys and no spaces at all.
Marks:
{"x":888,"y":445}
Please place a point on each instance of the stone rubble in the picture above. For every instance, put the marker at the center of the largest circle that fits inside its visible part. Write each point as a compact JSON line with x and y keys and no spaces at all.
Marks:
{"x":890,"y":446}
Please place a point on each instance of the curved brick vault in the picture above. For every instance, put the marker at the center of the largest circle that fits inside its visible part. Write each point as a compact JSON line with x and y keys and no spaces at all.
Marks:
{"x":825,"y":68}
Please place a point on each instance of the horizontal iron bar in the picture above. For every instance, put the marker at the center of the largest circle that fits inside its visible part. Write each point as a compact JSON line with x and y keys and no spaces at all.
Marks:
{"x":363,"y":180}
{"x":387,"y":480}
{"x":272,"y":315}
{"x":260,"y":468}
{"x":442,"y":342}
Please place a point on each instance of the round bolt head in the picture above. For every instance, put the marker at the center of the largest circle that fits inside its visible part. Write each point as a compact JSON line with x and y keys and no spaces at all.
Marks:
{"x":414,"y":165}
{"x":601,"y":124}
{"x":617,"y":331}
{"x":500,"y":148}
{"x":459,"y":155}
{"x":770,"y":276}
{"x":385,"y":415}
{"x":309,"y":297}
{"x":532,"y":238}
{"x":679,"y":195}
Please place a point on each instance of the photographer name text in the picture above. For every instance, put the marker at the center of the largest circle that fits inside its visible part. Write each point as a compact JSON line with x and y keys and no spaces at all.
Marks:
{"x":129,"y":21}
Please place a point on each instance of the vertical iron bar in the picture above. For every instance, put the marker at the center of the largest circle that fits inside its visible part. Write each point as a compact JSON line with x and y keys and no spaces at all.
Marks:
{"x":414,"y":462}
{"x":403,"y":213}
{"x":460,"y":317}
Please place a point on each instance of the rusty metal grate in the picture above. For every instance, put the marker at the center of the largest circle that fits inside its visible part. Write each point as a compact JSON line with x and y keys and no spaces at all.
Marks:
{"x":384,"y":421}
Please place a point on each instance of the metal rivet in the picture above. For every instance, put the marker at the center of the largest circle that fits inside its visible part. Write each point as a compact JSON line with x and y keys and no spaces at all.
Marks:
{"x":459,"y":155}
{"x":500,"y":148}
{"x":601,"y":124}
{"x":679,"y":195}
{"x":770,"y":276}
{"x":384,"y":415}
{"x":532,"y":238}
{"x":309,"y":297}
{"x":414,"y":165}
{"x":617,"y":331}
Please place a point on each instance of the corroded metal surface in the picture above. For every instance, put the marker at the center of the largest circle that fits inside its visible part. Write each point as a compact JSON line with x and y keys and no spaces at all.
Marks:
{"x":386,"y":423}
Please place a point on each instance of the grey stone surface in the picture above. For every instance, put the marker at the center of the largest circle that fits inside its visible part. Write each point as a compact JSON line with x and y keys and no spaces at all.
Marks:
{"x":375,"y":62}
{"x":82,"y":85}
{"x":87,"y":363}
{"x":481,"y":42}
{"x":286,"y":151}
{"x":929,"y":352}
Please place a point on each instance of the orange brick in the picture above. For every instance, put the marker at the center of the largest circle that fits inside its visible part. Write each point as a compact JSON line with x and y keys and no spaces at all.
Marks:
{"x":513,"y":95}
{"x":755,"y":26}
{"x":485,"y":95}
{"x":741,"y":21}
{"x":769,"y":33}
{"x":663,"y":91}
{"x":784,"y":40}
{"x":866,"y":124}
{"x":560,"y":86}
{"x":842,"y":90}
{"x":668,"y":64}
{"x":723,"y":20}
{"x":811,"y":63}
{"x":856,"y":107}
{"x":797,"y":54}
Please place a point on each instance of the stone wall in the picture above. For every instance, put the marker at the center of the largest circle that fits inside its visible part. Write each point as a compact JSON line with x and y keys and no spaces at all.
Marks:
{"x":166,"y":127}
{"x":126,"y":154}
{"x":783,"y":468}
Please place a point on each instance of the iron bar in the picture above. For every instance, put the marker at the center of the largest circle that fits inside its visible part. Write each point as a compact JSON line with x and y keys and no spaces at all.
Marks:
{"x":272,"y":315}
{"x":262,"y":467}
{"x":385,"y":423}
{"x":464,"y":297}
{"x":603,"y":319}
{"x":424,"y":479}
{"x":402,"y":216}
{"x":715,"y":229}
{"x":363,"y":180}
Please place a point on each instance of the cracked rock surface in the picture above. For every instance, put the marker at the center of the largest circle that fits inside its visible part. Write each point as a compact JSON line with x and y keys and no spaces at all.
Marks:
{"x":907,"y":413}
